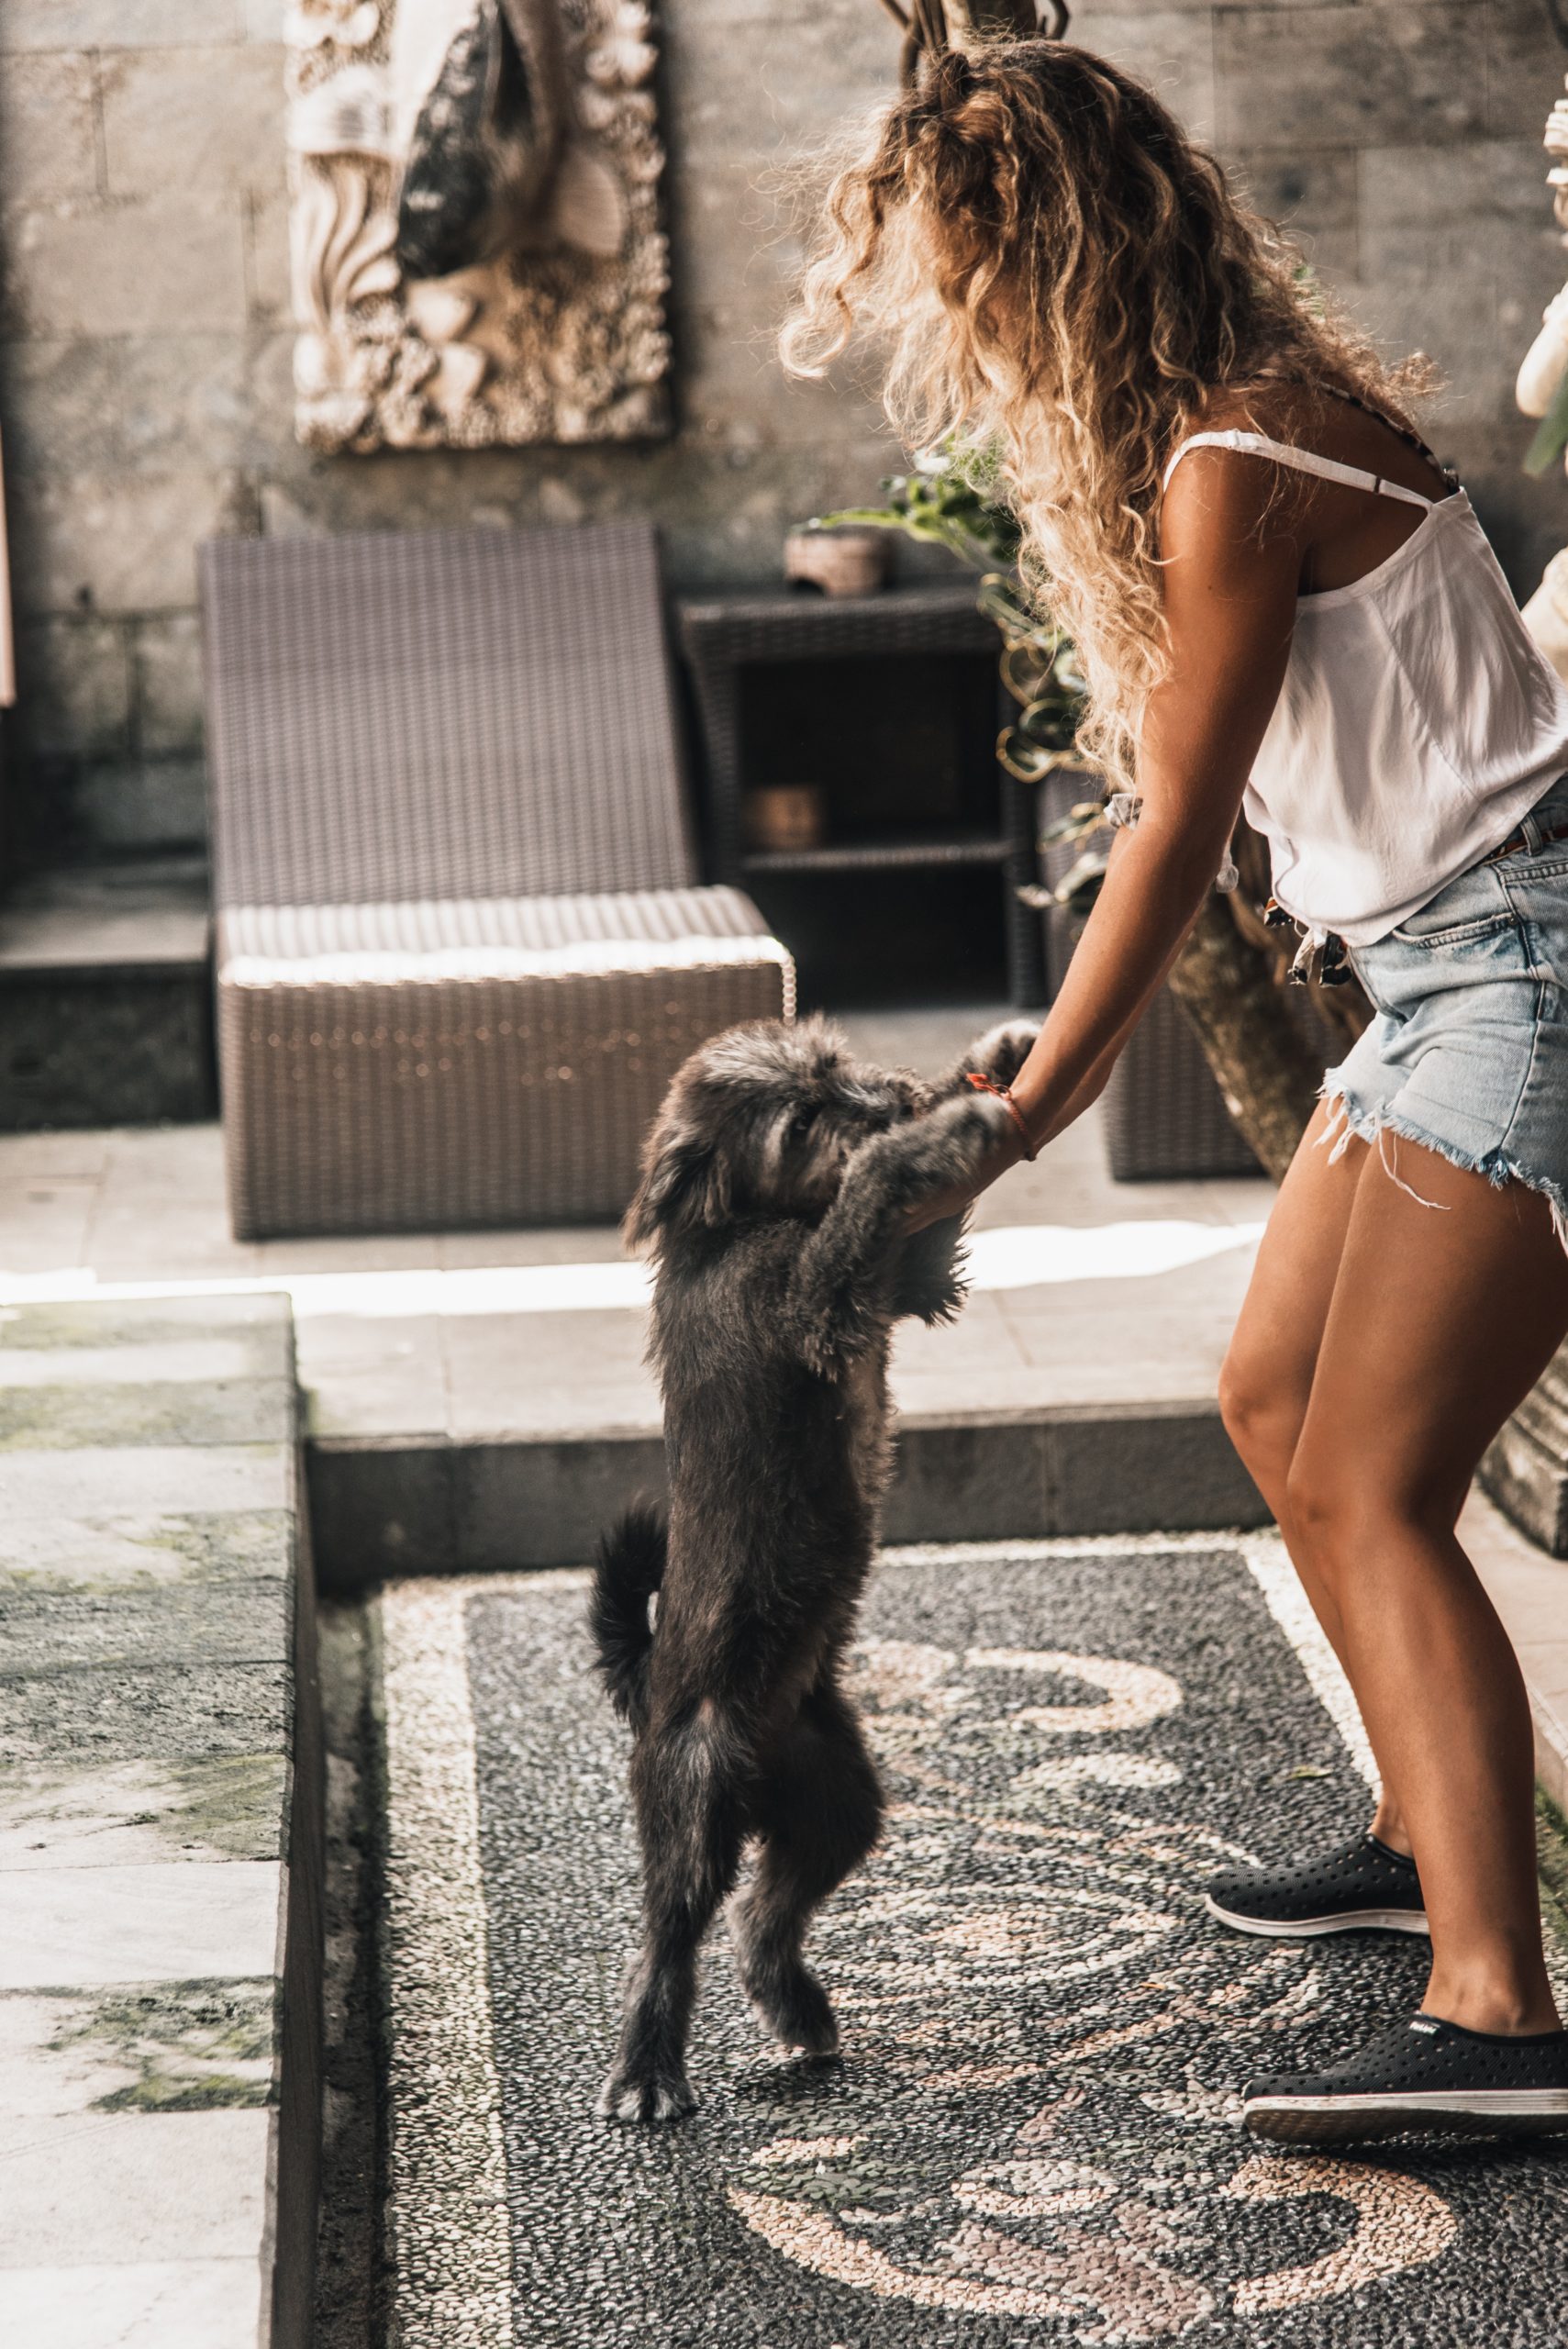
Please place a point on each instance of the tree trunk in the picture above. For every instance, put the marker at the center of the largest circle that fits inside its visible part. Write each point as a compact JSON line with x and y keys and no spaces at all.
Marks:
{"x":1230,"y":983}
{"x":1266,"y":1070}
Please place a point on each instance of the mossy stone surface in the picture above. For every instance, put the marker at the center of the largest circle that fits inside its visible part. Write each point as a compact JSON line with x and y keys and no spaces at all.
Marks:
{"x":190,"y":2046}
{"x":107,"y":1814}
{"x":191,"y":1623}
{"x":71,"y":1415}
{"x":151,"y":1712}
{"x":155,"y":1320}
{"x":146,"y":1551}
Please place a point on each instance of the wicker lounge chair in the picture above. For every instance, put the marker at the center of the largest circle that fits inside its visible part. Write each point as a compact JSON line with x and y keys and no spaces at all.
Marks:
{"x":461,"y":949}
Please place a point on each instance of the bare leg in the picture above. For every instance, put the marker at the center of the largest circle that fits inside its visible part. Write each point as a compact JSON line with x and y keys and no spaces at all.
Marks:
{"x":1267,"y":1380}
{"x":820,"y":1809}
{"x":1443,"y":1317}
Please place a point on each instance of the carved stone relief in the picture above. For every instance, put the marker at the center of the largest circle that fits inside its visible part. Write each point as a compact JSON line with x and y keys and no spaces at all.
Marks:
{"x":476,"y":245}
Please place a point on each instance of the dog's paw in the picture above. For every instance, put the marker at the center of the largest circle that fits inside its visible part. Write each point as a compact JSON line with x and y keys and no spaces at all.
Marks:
{"x":794,"y":2010}
{"x":629,"y":2096}
{"x":1002,"y":1051}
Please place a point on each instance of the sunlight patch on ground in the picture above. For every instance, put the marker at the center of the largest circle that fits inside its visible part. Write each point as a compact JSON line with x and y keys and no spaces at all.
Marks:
{"x":1042,"y":1255}
{"x":1015,"y":1257}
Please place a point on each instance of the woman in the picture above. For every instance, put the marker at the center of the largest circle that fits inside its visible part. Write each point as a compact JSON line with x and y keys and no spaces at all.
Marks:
{"x":1281,"y":601}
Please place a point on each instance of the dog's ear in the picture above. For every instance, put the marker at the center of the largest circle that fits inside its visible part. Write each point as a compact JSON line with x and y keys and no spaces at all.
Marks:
{"x":685,"y":1181}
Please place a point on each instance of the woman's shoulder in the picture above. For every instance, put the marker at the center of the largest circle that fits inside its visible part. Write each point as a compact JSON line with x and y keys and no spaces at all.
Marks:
{"x":1219,"y":482}
{"x":1224,"y":512}
{"x":1276,"y":411}
{"x":1324,"y":420}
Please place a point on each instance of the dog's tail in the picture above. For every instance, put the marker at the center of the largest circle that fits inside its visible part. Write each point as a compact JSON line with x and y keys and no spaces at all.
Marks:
{"x":629,"y":1570}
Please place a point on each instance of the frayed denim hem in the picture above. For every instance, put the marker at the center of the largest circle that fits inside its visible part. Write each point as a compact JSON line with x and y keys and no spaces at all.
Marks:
{"x":1382,"y":1130}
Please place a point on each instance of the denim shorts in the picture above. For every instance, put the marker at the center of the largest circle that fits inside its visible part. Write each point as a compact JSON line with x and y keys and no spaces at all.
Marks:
{"x":1468,"y":1053}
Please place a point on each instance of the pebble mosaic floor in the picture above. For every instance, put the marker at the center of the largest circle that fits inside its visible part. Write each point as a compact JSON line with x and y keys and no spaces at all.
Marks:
{"x":1033,"y":2134}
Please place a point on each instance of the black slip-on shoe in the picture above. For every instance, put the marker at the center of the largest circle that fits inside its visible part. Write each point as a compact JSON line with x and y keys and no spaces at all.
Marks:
{"x":1425,"y":2074}
{"x":1360,"y":1888}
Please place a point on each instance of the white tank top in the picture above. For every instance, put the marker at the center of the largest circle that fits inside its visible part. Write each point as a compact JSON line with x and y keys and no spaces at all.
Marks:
{"x":1418,"y":719}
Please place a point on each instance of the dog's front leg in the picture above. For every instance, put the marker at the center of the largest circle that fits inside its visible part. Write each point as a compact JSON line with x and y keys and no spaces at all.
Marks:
{"x":844,"y":1288}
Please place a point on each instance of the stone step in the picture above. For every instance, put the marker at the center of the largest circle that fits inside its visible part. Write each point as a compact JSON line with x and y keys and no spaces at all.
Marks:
{"x":394,"y":1506}
{"x":427,"y":1504}
{"x":106,"y":1015}
{"x":1525,"y":1470}
{"x":160,"y":1829}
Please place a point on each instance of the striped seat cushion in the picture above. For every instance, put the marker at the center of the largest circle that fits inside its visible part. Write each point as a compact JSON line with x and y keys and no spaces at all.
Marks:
{"x":491,"y":937}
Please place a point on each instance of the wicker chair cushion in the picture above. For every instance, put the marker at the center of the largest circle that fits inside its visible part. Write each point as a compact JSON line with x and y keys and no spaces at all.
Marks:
{"x":494,"y":938}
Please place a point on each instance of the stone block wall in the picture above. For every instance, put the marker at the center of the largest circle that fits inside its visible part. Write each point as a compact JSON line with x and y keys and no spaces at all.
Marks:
{"x":145,"y":348}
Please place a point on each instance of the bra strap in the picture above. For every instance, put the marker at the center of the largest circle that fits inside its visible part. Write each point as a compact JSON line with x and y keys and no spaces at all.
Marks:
{"x":1304,"y":459}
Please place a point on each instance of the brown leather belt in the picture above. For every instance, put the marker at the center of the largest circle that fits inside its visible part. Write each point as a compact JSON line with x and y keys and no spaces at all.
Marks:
{"x":1518,"y":841}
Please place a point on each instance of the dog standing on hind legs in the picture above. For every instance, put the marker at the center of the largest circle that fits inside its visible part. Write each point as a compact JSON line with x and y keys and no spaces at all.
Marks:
{"x":774,"y":1195}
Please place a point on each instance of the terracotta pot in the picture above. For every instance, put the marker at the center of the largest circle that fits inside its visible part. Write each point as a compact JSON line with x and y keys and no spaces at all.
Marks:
{"x":841,"y":562}
{"x":785,"y":816}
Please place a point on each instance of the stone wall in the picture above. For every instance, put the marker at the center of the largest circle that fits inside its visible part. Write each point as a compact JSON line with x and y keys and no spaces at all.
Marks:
{"x":145,"y":349}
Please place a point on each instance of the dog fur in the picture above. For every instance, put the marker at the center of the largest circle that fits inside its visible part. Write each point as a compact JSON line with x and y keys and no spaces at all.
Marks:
{"x":774,"y":1191}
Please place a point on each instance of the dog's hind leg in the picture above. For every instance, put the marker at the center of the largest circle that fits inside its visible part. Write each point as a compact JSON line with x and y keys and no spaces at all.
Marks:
{"x":819,"y":1808}
{"x":686,"y":1784}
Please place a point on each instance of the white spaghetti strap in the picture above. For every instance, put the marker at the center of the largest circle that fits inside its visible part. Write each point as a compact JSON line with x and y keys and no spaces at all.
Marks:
{"x":1330,"y":468}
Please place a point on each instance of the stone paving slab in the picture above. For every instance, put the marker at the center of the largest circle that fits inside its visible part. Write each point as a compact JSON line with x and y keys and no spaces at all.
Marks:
{"x":178,"y":1479}
{"x":151,"y":1712}
{"x":152,"y":1411}
{"x":202,"y":2195}
{"x":160,"y":1963}
{"x":171,"y":1922}
{"x":180,"y":1623}
{"x":170,"y":1361}
{"x":1530,"y":1589}
{"x":1033,"y":2134}
{"x":422,"y":1507}
{"x":150,"y":2304}
{"x":183,"y":2047}
{"x":146,"y":1550}
{"x":128,"y":1813}
{"x":256,"y":1340}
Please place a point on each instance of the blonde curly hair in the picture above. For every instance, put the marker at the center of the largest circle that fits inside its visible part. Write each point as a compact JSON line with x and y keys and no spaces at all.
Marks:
{"x":1060,"y":275}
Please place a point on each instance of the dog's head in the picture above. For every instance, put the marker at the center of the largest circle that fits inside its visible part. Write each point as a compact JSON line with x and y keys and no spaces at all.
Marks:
{"x":760,"y":1122}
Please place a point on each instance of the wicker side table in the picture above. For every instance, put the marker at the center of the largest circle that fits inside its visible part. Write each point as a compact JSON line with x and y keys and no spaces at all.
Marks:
{"x":724,"y":637}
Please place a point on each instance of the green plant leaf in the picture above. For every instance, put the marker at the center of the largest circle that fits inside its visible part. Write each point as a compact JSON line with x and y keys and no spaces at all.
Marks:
{"x":956,"y":498}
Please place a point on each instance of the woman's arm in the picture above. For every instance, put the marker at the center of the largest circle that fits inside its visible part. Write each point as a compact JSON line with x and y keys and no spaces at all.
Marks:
{"x":1230,"y":580}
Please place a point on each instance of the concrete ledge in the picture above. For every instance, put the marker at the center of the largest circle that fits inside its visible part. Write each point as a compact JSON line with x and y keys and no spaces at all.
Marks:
{"x":1551,"y":1750}
{"x":425,"y":1505}
{"x":1529,"y":1587}
{"x":160,"y":1829}
{"x":1529,"y":1481}
{"x":106,"y":1006}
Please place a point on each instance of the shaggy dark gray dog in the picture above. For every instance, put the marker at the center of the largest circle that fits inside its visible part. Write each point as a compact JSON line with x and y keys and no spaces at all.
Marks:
{"x":775,"y":1192}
